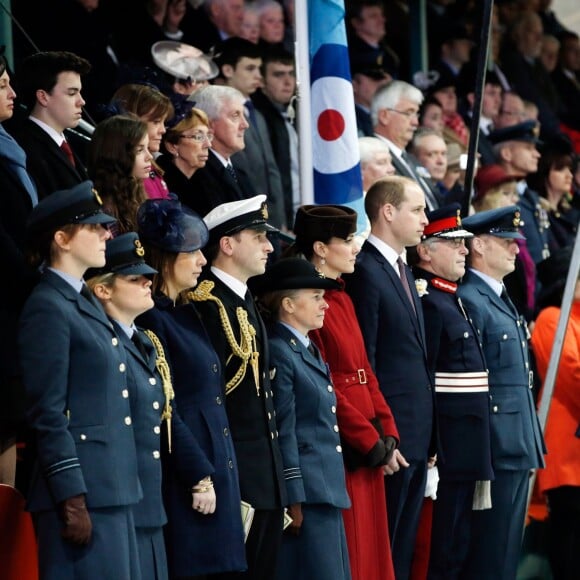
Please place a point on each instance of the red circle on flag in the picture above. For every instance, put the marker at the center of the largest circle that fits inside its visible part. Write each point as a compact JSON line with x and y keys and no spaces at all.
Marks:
{"x":331,"y":125}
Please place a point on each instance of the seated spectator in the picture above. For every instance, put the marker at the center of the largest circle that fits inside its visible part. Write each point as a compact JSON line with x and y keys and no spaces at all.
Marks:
{"x":366,"y":33}
{"x":431,"y":114}
{"x":271,"y":17}
{"x":566,"y":78}
{"x":549,"y":52}
{"x":119,"y":164}
{"x":153,"y":107}
{"x":553,"y":181}
{"x":527,"y":74}
{"x":186,"y":145}
{"x":511,"y":112}
{"x":250,"y":29}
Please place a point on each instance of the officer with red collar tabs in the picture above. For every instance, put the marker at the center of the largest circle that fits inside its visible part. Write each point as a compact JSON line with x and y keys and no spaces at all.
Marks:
{"x":456,"y":358}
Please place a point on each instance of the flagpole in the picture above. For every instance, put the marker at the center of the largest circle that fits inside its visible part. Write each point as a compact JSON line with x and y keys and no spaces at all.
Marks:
{"x":482,"y":58}
{"x":302,"y":57}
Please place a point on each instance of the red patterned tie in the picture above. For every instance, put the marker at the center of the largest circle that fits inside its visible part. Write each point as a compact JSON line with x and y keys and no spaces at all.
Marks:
{"x":66,"y":148}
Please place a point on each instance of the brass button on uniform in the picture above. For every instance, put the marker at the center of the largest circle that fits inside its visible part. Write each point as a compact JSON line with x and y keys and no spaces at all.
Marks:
{"x":156,"y":454}
{"x":128,"y":421}
{"x":157,"y":429}
{"x":155,"y":405}
{"x":152,"y":381}
{"x":114,"y":341}
{"x":122,"y":367}
{"x":218,"y":400}
{"x":83,"y":437}
{"x":339,"y":448}
{"x":125,"y":393}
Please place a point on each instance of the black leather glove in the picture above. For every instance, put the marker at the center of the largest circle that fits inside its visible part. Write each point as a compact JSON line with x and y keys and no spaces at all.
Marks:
{"x":77,"y":522}
{"x":390,"y":446}
{"x":375,"y":457}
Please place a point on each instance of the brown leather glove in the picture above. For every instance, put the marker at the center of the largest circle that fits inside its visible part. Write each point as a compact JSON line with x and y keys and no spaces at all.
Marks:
{"x":295,"y":512}
{"x":77,"y":522}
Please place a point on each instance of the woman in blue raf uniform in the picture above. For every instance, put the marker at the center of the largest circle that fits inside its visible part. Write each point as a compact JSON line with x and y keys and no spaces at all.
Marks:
{"x":292,"y":296}
{"x":123,"y":287}
{"x":74,"y":371}
{"x":204,"y":533}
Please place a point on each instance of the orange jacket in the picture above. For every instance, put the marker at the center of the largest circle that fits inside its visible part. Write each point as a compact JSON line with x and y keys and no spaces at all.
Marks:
{"x":563,"y":457}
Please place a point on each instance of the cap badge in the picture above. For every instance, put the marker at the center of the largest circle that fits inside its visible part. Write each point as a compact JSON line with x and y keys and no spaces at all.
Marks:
{"x":139,"y":248}
{"x":97,"y":196}
{"x":264,"y":210}
{"x":459,"y":217}
{"x":517,"y":220}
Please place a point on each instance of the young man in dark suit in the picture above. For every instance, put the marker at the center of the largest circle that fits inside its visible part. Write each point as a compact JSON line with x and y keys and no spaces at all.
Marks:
{"x":389,"y":311}
{"x":50,"y":87}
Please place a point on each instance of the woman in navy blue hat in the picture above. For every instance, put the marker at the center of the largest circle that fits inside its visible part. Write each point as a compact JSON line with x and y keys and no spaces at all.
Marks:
{"x":204,"y":533}
{"x":292,"y":299}
{"x":123,"y":287}
{"x":74,"y":372}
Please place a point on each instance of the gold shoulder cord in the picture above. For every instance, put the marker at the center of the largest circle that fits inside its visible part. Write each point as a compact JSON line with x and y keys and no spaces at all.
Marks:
{"x":163,"y":368}
{"x":246,"y":349}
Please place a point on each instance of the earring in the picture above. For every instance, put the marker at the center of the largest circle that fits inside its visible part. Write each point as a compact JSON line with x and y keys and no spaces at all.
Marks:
{"x":322,"y":261}
{"x":176,"y":154}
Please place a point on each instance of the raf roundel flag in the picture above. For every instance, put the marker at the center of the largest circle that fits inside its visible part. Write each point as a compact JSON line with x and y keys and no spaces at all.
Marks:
{"x":335,"y":152}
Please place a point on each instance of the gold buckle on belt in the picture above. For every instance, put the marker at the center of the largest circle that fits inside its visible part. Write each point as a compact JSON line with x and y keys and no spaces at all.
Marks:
{"x":362,"y":376}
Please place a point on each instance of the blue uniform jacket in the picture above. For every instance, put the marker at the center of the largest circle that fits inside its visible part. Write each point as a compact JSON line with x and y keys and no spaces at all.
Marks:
{"x":395,"y":340}
{"x":306,"y":418}
{"x":147,"y":401}
{"x":75,"y":373}
{"x":516,"y":438}
{"x":461,"y":383}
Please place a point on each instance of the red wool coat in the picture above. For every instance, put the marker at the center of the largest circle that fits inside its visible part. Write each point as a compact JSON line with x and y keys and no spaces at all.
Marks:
{"x":341,"y":344}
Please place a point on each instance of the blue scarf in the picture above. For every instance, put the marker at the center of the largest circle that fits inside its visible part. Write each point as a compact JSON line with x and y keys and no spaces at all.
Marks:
{"x":16,"y":160}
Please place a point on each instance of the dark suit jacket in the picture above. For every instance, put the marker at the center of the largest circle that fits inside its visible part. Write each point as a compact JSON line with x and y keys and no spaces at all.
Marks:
{"x":280,"y":142}
{"x":46,"y":163}
{"x":395,"y":340}
{"x":212,"y":185}
{"x":252,"y":418}
{"x":257,"y":161}
{"x":569,"y":91}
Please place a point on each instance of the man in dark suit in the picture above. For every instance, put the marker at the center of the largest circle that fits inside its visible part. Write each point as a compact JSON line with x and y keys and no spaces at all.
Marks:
{"x":238,"y":249}
{"x":462,"y":392}
{"x":391,"y":320}
{"x":516,"y":439}
{"x":274,"y":100}
{"x":395,"y":116}
{"x":50,"y":88}
{"x":240,"y":62}
{"x":218,"y":182}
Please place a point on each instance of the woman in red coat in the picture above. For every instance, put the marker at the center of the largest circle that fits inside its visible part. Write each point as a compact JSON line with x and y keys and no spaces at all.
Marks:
{"x":369,"y":437}
{"x":559,"y":481}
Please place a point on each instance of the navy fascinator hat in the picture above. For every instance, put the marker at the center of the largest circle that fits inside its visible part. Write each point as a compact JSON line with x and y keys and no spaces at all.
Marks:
{"x":169,"y":226}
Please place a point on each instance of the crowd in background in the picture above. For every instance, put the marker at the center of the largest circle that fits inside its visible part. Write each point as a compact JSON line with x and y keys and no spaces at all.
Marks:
{"x":96,"y":104}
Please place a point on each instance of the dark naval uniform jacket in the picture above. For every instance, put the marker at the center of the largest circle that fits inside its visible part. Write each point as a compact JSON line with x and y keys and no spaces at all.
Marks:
{"x":250,"y":411}
{"x":201,"y":446}
{"x":461,"y":384}
{"x":75,"y":374}
{"x":47,"y":164}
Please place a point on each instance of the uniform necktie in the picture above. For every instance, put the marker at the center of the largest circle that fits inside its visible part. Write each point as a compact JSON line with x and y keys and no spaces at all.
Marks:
{"x":405,"y":281}
{"x":505,"y":297}
{"x":313,"y":350}
{"x":66,"y":148}
{"x":139,"y":344}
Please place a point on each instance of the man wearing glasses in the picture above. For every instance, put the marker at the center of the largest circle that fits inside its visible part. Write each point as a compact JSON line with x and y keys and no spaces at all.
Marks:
{"x":395,"y":117}
{"x":461,"y":389}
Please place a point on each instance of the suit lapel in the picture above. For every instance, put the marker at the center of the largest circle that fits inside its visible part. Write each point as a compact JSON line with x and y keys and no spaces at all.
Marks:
{"x":488,"y":291}
{"x":307,"y":357}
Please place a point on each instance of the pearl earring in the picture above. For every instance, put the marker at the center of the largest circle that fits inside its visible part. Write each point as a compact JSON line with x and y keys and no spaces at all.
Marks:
{"x":322,"y":261}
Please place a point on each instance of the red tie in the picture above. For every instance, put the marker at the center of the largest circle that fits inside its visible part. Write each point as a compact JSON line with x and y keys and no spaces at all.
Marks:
{"x":66,"y":148}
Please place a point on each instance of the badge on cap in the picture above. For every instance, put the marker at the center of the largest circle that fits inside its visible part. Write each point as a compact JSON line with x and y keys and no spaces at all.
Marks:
{"x":517,"y":220}
{"x":264,"y":210}
{"x":97,"y":196}
{"x":139,"y":248}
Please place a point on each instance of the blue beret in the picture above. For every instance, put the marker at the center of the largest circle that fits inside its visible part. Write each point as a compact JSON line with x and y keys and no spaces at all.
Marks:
{"x":502,"y":222}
